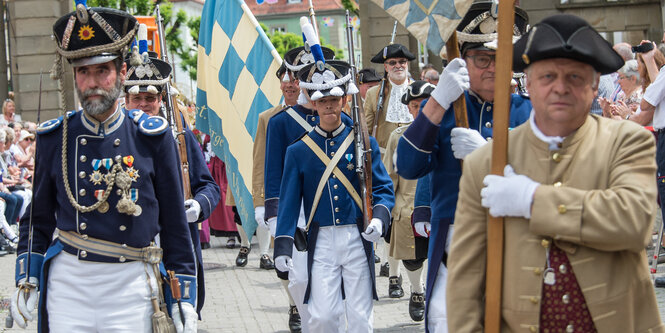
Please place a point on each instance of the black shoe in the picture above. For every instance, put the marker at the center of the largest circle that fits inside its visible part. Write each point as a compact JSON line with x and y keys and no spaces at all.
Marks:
{"x":231,"y":243}
{"x":385,"y":270}
{"x":241,"y":259}
{"x":659,"y":282}
{"x":294,"y":320}
{"x":266,"y":262}
{"x":7,"y":246}
{"x":395,"y":287}
{"x":417,"y":306}
{"x":205,"y":245}
{"x":377,"y":259}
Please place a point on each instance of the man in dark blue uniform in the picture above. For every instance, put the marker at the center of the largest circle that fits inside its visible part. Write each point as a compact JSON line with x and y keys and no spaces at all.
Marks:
{"x":144,"y":88}
{"x":320,"y":173}
{"x":106,"y":184}
{"x":433,"y":145}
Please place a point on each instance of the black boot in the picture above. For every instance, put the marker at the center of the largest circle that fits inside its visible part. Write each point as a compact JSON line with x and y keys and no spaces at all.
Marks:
{"x":6,"y":245}
{"x":659,"y":282}
{"x":241,"y":259}
{"x":377,"y":259}
{"x":385,"y":270}
{"x":294,"y":320}
{"x":266,"y":262}
{"x":417,"y":306}
{"x":395,"y":287}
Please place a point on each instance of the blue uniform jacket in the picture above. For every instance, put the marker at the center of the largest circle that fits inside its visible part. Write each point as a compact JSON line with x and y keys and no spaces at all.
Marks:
{"x":421,"y":203}
{"x":147,"y":151}
{"x":282,"y":131}
{"x":425,"y":148}
{"x":302,"y":173}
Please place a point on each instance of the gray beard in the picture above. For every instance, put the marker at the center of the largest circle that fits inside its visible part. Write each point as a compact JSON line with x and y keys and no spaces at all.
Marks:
{"x":95,"y":108}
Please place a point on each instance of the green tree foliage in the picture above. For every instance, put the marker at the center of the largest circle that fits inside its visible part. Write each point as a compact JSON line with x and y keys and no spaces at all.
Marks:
{"x":284,"y":41}
{"x":352,"y":6}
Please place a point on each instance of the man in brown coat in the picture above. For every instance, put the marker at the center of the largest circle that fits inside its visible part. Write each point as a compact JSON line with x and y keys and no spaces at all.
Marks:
{"x":578,"y":199}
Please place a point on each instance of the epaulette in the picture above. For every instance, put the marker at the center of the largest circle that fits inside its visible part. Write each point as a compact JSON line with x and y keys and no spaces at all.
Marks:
{"x":148,"y":125}
{"x":299,"y":138}
{"x":50,"y":125}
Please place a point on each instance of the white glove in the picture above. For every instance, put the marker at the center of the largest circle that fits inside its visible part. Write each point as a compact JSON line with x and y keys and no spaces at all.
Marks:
{"x":193,"y":210}
{"x":452,"y":83}
{"x":259,"y":214}
{"x":464,"y":141}
{"x":272,"y":225}
{"x":283,"y":263}
{"x":21,"y":307}
{"x":373,"y":231}
{"x":422,"y":228}
{"x":508,"y":195}
{"x":191,"y":318}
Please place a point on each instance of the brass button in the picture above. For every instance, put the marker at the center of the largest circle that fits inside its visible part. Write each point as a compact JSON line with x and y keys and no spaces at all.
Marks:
{"x":82,"y":174}
{"x":565,"y":299}
{"x":83,"y":226}
{"x":488,"y":124}
{"x":84,"y":236}
{"x":122,"y":228}
{"x":335,"y":186}
{"x":562,"y":209}
{"x":545,"y":243}
{"x":332,"y":143}
{"x":116,"y":142}
{"x":570,"y":328}
{"x":124,"y":246}
{"x":563,"y":269}
{"x":118,"y":158}
{"x":556,"y":157}
{"x":334,"y":176}
{"x":122,"y":259}
{"x":83,"y":158}
{"x":557,"y":184}
{"x":82,"y":192}
{"x":118,"y":192}
{"x":489,"y":108}
{"x":335,"y":198}
{"x":84,"y":142}
{"x":336,"y":209}
{"x":538,"y":271}
{"x":332,"y":153}
{"x":534,"y":299}
{"x":337,"y":221}
{"x":261,"y":195}
{"x":84,"y":254}
{"x":533,"y":329}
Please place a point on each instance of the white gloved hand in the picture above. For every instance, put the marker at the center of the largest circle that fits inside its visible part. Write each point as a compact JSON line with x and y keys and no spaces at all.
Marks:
{"x":191,"y":318}
{"x":283,"y":263}
{"x":259,"y":214}
{"x":23,"y":302}
{"x":464,"y":141}
{"x":373,"y":231}
{"x":192,"y":210}
{"x":508,"y":195}
{"x":272,"y":225}
{"x":422,"y":228}
{"x":452,"y":83}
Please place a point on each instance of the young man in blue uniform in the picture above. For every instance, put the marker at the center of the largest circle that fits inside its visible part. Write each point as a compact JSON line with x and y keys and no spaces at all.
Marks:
{"x":434,"y":145}
{"x":320,"y":173}
{"x":106,"y":184}
{"x":145,"y":92}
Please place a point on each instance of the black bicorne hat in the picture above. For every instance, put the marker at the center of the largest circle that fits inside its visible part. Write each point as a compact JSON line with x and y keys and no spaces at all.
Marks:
{"x":417,"y":89}
{"x":95,"y":35}
{"x":392,"y":51}
{"x":334,"y":80}
{"x":367,"y":75}
{"x":477,"y":30}
{"x":150,"y":76}
{"x":566,"y":36}
{"x":297,"y":58}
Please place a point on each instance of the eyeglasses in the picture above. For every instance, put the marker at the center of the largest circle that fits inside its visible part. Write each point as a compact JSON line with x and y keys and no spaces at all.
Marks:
{"x":148,"y":99}
{"x":482,"y":61}
{"x":395,"y":62}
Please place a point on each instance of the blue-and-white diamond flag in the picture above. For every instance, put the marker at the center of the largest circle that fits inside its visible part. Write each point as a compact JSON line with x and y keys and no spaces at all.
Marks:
{"x":430,"y":21}
{"x":236,"y":62}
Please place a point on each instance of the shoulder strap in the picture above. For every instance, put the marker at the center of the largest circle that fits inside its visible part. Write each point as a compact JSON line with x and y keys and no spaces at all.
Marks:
{"x":331,"y":167}
{"x":305,"y":125}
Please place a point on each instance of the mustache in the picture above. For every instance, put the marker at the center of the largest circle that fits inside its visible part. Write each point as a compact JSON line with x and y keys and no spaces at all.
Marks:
{"x":95,"y":91}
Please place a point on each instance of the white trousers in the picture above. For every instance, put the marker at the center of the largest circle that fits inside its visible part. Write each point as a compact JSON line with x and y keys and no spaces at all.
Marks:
{"x":298,"y":278}
{"x":339,"y":254}
{"x":437,"y":318}
{"x":98,"y":297}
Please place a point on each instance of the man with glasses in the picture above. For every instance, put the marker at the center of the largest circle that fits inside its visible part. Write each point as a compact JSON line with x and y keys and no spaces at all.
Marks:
{"x":433,"y":145}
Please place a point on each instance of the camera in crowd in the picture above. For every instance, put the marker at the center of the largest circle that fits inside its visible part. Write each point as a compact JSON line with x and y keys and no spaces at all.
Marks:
{"x":643,"y":48}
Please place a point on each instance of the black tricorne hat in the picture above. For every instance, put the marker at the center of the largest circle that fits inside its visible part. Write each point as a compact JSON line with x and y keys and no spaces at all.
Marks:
{"x":477,"y":30}
{"x":150,"y":76}
{"x":566,"y":36}
{"x":392,"y":51}
{"x":95,"y":35}
{"x":334,"y":80}
{"x":367,"y":75}
{"x":417,"y":89}
{"x":297,"y":58}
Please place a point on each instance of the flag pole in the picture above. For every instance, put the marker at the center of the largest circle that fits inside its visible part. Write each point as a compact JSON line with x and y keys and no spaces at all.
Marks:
{"x":504,"y":60}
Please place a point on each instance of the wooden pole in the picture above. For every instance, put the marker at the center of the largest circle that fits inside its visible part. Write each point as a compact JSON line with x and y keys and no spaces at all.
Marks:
{"x":452,"y":52}
{"x":504,"y":60}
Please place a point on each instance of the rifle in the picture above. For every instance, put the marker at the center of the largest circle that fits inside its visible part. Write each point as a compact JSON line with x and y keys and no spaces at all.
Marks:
{"x":361,"y":139}
{"x":173,"y":115}
{"x":382,"y":92}
{"x":312,"y":17}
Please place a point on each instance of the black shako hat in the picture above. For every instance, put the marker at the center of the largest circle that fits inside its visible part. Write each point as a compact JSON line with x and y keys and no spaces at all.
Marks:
{"x":417,"y":89}
{"x":566,"y":36}
{"x":392,"y":51}
{"x":334,"y":80}
{"x":297,"y":58}
{"x":477,"y":30}
{"x":367,"y":75}
{"x":96,"y":35}
{"x":150,"y":76}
